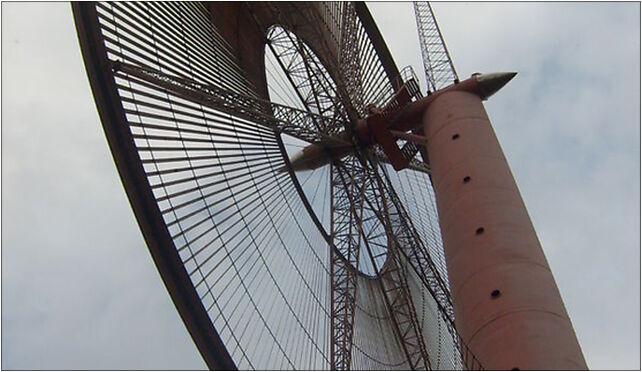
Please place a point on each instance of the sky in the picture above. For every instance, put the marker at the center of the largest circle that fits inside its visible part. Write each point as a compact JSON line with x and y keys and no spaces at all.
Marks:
{"x":79,"y":288}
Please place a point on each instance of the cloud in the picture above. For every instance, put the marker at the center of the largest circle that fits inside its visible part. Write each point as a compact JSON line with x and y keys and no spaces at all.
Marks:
{"x":79,"y":289}
{"x":569,"y":126}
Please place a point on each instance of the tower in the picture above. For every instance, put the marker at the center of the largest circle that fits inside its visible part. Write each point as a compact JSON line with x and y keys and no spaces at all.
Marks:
{"x":204,"y":107}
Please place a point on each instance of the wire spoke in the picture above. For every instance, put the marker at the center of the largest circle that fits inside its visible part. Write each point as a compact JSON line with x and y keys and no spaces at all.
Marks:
{"x":337,"y":267}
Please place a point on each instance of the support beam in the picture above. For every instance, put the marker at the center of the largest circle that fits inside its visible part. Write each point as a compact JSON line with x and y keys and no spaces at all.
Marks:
{"x":346,"y":208}
{"x":508,"y":308}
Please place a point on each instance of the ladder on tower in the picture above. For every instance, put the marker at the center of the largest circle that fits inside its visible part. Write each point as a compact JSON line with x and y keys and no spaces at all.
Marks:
{"x":439,"y":68}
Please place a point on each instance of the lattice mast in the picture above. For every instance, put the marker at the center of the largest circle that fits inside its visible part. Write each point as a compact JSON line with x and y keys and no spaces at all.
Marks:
{"x":439,"y":68}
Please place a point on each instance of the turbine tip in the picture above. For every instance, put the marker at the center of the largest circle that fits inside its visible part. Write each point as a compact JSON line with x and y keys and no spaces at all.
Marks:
{"x":489,"y":84}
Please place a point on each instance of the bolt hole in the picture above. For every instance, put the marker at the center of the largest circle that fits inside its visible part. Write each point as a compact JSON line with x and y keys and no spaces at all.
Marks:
{"x":466,"y":179}
{"x":455,"y":136}
{"x":479,"y":231}
{"x":495,"y":293}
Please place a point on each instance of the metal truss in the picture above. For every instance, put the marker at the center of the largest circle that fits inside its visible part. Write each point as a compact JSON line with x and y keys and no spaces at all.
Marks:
{"x":414,"y":164}
{"x":352,"y":192}
{"x":312,"y":83}
{"x":283,"y":119}
{"x":440,"y":71}
{"x":207,"y":159}
{"x":391,"y":278}
{"x":406,"y":238}
{"x":397,"y":293}
{"x":347,"y":211}
{"x":412,"y":248}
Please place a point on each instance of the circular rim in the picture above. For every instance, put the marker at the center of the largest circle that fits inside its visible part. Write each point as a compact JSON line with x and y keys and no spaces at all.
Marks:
{"x":375,"y":269}
{"x":148,"y":214}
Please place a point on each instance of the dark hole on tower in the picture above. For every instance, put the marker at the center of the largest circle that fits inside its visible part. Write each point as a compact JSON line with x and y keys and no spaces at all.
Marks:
{"x":495,"y":293}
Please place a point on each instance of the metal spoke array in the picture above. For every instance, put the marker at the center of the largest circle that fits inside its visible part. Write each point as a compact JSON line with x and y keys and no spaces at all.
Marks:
{"x":282,"y":119}
{"x":331,"y":15}
{"x":255,"y":258}
{"x":399,"y":299}
{"x":310,"y":80}
{"x":393,"y":282}
{"x":412,"y":247}
{"x":340,"y":267}
{"x":347,"y":207}
{"x":426,"y":273}
{"x":362,"y":73}
{"x":354,"y":226}
{"x":439,"y":68}
{"x":357,"y":225}
{"x":350,"y":67}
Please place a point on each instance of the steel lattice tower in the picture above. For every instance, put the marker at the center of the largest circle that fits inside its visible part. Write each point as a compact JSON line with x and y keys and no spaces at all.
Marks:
{"x":306,"y":205}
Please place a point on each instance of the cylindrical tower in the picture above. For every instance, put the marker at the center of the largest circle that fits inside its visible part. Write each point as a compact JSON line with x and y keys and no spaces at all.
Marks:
{"x":508,"y":308}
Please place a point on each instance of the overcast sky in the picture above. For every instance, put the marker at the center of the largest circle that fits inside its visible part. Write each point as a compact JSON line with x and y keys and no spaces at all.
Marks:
{"x":79,"y":288}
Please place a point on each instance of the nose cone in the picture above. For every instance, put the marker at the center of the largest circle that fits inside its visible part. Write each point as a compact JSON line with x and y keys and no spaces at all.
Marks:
{"x":305,"y":159}
{"x":314,"y":155}
{"x":489,"y":84}
{"x":310,"y":157}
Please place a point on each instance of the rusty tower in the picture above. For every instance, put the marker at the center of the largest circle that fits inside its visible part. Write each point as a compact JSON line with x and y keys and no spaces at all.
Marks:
{"x":306,"y":204}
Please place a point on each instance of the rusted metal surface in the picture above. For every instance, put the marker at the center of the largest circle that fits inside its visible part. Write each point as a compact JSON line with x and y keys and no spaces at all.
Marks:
{"x":508,"y":308}
{"x":374,"y":128}
{"x":347,"y":73}
{"x":483,"y":85}
{"x":410,"y":137}
{"x":182,"y":93}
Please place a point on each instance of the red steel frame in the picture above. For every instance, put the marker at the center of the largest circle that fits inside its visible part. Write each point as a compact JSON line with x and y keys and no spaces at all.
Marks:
{"x":507,"y":305}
